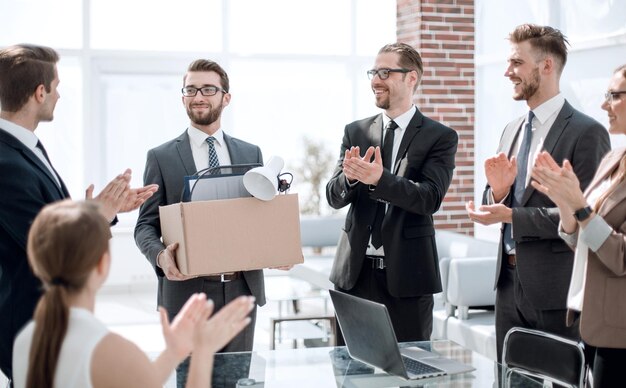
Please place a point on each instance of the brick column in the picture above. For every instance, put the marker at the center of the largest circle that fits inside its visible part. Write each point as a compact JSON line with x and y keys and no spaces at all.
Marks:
{"x":443,"y":33}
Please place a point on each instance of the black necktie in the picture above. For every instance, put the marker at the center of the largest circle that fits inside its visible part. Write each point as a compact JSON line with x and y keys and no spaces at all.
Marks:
{"x":388,"y":144}
{"x":54,"y":172}
{"x":45,"y":154}
{"x":519,"y":187}
{"x":43,"y":150}
{"x":377,"y":239}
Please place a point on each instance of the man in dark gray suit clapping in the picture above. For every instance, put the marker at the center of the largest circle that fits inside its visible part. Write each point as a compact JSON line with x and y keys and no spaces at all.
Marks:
{"x":534,"y":264}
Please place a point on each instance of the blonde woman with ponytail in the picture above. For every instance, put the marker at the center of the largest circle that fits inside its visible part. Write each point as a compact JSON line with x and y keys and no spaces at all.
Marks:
{"x":66,"y":346}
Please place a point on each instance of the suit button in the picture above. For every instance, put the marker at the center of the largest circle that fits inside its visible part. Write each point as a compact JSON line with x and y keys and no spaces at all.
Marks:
{"x":343,"y":194}
{"x":369,"y":227}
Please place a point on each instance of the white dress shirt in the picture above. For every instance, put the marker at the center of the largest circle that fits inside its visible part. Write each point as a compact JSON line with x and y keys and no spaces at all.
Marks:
{"x":200,"y":148}
{"x":545,"y":116}
{"x":403,"y":122}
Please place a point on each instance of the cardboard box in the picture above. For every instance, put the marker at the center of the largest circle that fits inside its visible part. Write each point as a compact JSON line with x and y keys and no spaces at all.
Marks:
{"x":233,"y":234}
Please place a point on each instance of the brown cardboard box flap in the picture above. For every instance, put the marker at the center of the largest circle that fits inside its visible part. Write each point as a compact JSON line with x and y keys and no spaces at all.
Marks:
{"x":233,"y":234}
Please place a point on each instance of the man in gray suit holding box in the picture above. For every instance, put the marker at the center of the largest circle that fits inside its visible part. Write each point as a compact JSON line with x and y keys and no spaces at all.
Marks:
{"x":203,"y":144}
{"x":534,"y":264}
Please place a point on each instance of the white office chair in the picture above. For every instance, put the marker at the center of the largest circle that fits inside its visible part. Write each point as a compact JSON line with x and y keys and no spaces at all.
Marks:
{"x":542,"y":355}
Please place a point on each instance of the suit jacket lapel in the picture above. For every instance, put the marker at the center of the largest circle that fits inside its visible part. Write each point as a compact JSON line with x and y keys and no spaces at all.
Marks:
{"x":613,"y":199}
{"x":510,"y":137}
{"x":66,"y":193}
{"x":415,"y":125}
{"x":606,"y":167}
{"x":561,"y":121}
{"x":32,"y":158}
{"x":610,"y":163}
{"x":375,"y":132}
{"x":28,"y":154}
{"x":234,"y":151}
{"x":185,"y":154}
{"x":552,"y":138}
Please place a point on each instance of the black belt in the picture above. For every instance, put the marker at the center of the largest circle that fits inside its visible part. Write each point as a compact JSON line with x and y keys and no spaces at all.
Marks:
{"x":225,"y":277}
{"x":378,"y":262}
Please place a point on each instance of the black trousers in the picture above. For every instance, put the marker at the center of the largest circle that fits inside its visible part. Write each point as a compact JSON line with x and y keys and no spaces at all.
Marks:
{"x":412,"y":317}
{"x":222,"y":294}
{"x":513,"y":309}
{"x":608,"y":367}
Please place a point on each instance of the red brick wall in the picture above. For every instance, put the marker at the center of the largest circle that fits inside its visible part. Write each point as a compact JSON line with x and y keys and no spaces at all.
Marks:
{"x":443,"y":33}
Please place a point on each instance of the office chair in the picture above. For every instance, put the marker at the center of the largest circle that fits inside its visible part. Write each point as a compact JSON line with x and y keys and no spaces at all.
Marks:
{"x":542,"y":355}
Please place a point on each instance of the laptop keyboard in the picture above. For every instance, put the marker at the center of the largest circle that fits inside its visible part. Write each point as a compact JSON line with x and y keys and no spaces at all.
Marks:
{"x":414,"y":367}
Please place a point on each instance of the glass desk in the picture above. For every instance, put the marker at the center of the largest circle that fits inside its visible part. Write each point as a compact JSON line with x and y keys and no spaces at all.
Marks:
{"x":333,"y":367}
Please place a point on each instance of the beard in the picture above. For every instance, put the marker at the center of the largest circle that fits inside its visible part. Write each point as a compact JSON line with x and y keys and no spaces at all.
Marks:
{"x":383,"y":101}
{"x":206,"y":118}
{"x":529,"y":88}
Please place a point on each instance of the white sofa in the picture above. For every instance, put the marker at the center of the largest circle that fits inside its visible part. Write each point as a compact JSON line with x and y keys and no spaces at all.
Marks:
{"x":463,"y":312}
{"x":468,"y":270}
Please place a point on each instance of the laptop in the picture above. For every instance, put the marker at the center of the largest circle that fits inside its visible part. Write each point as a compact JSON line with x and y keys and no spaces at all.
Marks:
{"x":370,"y":338}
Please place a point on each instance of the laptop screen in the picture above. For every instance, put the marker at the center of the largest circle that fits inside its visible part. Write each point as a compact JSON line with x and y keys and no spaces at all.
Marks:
{"x":368,"y":332}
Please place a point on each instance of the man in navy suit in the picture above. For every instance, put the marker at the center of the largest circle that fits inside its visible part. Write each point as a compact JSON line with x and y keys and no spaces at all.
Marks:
{"x":386,"y":252}
{"x":28,"y":181}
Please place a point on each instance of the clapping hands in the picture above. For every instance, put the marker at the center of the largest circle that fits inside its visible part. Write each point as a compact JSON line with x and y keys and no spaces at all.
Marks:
{"x":118,"y":197}
{"x":560,"y":184}
{"x":193,"y":330}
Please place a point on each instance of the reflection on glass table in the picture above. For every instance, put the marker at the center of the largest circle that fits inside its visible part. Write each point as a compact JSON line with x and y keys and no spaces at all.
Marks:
{"x":333,"y":367}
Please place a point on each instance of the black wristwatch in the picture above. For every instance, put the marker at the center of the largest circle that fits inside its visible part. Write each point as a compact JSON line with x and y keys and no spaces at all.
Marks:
{"x":583,"y":214}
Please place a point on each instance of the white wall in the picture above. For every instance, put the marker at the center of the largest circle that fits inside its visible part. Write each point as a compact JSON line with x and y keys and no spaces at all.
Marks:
{"x":597,"y":34}
{"x":129,"y":268}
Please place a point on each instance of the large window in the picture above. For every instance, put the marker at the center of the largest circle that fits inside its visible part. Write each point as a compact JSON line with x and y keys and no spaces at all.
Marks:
{"x":53,"y":23}
{"x":297,"y":69}
{"x":149,"y":25}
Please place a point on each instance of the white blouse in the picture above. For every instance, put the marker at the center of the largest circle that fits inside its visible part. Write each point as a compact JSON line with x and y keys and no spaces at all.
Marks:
{"x":84,"y":332}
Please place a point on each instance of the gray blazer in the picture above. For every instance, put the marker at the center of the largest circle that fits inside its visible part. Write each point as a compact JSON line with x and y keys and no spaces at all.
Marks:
{"x":544,"y":261}
{"x":166,"y":165}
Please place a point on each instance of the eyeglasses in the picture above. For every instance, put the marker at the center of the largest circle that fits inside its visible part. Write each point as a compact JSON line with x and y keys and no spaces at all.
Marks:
{"x":611,"y":96}
{"x":384,"y":73}
{"x":190,"y":91}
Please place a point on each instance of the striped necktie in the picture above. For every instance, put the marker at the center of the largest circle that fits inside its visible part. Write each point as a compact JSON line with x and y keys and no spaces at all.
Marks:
{"x":213,"y":160}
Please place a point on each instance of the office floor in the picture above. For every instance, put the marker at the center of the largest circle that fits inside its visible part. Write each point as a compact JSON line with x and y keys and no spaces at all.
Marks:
{"x":131,"y":312}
